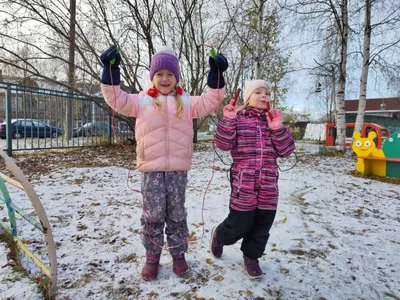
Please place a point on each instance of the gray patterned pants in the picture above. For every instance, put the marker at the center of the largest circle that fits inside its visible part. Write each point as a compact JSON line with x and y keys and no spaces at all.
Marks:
{"x":164,"y":203}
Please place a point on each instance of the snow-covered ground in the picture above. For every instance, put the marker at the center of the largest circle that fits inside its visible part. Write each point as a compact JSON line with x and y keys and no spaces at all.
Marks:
{"x":14,"y":285}
{"x":335,"y":236}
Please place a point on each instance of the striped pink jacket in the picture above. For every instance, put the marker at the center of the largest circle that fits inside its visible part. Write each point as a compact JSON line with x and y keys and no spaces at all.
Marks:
{"x":254,"y":149}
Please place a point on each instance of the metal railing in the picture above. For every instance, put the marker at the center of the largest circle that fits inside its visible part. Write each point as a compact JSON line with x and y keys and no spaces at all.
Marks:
{"x":36,"y":118}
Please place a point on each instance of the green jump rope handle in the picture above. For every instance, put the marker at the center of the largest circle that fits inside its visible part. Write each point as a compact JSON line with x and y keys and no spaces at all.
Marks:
{"x":113,"y":60}
{"x":213,"y":53}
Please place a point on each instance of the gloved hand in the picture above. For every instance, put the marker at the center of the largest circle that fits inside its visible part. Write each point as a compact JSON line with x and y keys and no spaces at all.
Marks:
{"x":229,"y":110}
{"x":217,"y":67}
{"x":276,"y":122}
{"x":115,"y":77}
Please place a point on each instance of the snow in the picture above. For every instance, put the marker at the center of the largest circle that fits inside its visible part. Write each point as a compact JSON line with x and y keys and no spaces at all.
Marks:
{"x":335,"y":236}
{"x":14,"y":285}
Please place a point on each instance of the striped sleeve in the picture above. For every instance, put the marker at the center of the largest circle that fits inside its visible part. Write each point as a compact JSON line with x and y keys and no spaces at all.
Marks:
{"x":283,"y":142}
{"x":225,"y":137}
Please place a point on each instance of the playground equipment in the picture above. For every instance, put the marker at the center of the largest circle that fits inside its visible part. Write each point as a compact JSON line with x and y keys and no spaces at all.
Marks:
{"x":43,"y":225}
{"x":381,"y":133}
{"x":380,"y":162}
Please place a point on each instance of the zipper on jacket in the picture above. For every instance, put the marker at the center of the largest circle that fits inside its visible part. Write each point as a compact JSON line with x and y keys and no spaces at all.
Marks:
{"x":240,"y":182}
{"x":262,"y":150}
{"x":166,"y":133}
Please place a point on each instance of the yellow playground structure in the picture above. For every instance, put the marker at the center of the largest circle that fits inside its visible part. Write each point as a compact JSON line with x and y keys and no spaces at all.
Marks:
{"x":380,"y":162}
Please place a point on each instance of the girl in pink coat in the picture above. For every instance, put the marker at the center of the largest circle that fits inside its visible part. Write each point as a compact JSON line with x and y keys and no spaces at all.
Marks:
{"x":255,"y":141}
{"x":164,"y":146}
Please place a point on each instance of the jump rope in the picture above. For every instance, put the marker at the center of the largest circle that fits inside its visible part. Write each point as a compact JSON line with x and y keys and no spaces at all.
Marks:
{"x":131,"y":158}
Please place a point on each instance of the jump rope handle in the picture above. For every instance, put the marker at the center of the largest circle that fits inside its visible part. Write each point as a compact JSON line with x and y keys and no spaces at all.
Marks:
{"x":213,"y":53}
{"x":236,"y":96}
{"x":113,"y":60}
{"x":268,"y":110}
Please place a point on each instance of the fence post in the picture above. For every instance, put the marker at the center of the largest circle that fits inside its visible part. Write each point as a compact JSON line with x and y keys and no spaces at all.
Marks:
{"x":8,"y":121}
{"x":109,"y":128}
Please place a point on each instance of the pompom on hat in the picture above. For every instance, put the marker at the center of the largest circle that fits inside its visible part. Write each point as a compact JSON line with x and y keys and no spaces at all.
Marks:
{"x":251,"y":86}
{"x":165,"y":59}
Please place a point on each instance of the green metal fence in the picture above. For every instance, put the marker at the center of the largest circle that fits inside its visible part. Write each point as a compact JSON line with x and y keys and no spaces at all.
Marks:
{"x":392,"y":124}
{"x":36,"y":118}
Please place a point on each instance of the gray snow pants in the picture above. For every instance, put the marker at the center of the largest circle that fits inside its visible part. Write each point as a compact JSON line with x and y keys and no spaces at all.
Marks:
{"x":164,"y":203}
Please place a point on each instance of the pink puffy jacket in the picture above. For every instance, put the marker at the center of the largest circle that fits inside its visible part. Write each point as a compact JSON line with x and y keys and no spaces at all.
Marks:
{"x":163,"y":142}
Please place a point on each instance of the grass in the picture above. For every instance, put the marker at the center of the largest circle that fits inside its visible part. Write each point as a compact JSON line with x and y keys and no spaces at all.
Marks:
{"x":391,"y":180}
{"x":13,"y":255}
{"x":44,"y":285}
{"x":332,"y":153}
{"x":46,"y":152}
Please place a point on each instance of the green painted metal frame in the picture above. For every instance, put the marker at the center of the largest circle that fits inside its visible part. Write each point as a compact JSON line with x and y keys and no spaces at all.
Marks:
{"x":11,"y":213}
{"x":43,"y":225}
{"x":12,"y":209}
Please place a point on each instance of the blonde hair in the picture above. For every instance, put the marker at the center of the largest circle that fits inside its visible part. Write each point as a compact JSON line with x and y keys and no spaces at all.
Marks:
{"x":178,"y":104}
{"x":240,"y":108}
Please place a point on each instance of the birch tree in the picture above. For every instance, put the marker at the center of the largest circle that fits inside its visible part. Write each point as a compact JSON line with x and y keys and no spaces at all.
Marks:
{"x":319,"y":17}
{"x":364,"y":67}
{"x":387,"y":15}
{"x":342,"y":21}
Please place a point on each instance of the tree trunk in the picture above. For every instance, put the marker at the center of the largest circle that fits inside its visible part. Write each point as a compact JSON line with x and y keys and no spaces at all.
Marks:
{"x":71,"y":69}
{"x":259,"y":39}
{"x":362,"y":103}
{"x":333,"y":94}
{"x":341,"y":130}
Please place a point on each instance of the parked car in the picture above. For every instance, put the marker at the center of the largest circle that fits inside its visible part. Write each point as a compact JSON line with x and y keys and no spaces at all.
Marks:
{"x":91,"y":129}
{"x":29,"y":128}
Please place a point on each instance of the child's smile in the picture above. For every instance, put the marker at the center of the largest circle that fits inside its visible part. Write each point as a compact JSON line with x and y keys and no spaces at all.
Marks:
{"x":164,"y":81}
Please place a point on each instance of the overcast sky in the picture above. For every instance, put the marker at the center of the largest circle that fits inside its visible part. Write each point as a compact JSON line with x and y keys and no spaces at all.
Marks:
{"x":302,"y":86}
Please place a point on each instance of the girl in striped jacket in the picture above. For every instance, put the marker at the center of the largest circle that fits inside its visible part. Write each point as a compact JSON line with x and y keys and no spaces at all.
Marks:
{"x":255,"y":142}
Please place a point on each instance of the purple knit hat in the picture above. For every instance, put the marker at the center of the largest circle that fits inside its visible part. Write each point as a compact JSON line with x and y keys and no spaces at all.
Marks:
{"x":165,"y":59}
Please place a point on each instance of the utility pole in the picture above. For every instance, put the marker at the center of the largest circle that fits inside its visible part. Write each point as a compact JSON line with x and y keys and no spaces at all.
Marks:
{"x":71,"y":69}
